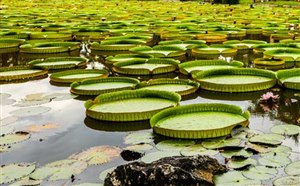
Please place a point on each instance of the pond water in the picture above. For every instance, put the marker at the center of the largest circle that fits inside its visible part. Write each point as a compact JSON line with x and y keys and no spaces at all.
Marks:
{"x":75,"y":132}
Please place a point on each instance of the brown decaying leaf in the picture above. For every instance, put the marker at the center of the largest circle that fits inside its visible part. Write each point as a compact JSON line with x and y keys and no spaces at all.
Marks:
{"x":97,"y":155}
{"x":40,"y":128}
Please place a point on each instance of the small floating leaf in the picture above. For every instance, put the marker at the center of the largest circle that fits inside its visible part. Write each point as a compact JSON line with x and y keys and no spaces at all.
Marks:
{"x":197,"y":149}
{"x":216,"y":143}
{"x":97,"y":155}
{"x":269,"y":139}
{"x":236,"y":153}
{"x":6,"y":130}
{"x":25,"y":112}
{"x":12,"y":172}
{"x":288,"y":180}
{"x":274,"y":160}
{"x":153,"y":156}
{"x":139,"y":147}
{"x":174,"y":145}
{"x":60,"y":96}
{"x":27,"y":181}
{"x":14,"y":138}
{"x":40,"y":128}
{"x":260,"y":173}
{"x":293,"y":168}
{"x":286,"y":129}
{"x":139,"y":137}
{"x":59,"y":170}
{"x":234,"y":178}
{"x":8,"y":120}
{"x":241,"y":163}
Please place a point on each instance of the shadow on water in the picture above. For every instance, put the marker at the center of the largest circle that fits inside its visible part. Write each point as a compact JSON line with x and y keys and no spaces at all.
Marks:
{"x":116,"y":126}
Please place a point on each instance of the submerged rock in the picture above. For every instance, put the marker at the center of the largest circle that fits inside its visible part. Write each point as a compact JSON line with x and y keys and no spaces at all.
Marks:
{"x":177,"y":170}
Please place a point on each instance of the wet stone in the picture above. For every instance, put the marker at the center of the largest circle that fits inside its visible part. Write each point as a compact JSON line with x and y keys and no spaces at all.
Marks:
{"x":177,"y":170}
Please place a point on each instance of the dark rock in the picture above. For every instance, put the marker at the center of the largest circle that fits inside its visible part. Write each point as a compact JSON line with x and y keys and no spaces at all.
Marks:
{"x":178,"y":170}
{"x":129,"y":155}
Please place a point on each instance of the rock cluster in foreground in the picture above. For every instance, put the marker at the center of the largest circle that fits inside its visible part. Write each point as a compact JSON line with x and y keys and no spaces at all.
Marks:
{"x":177,"y":170}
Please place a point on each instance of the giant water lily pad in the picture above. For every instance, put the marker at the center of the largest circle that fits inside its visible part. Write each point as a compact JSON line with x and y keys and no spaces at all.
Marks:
{"x":77,"y":75}
{"x":236,"y":79}
{"x":174,"y":145}
{"x":269,"y":139}
{"x":153,"y":156}
{"x":293,"y":168}
{"x":244,"y":44}
{"x":126,"y":57}
{"x":213,"y":50}
{"x":49,"y":47}
{"x":59,"y":170}
{"x":199,"y":120}
{"x":180,"y":86}
{"x":97,"y":155}
{"x":146,"y":66}
{"x":14,"y":138}
{"x":130,"y":105}
{"x":160,"y":51}
{"x":234,"y":178}
{"x":197,"y":149}
{"x":287,"y":180}
{"x":288,"y":54}
{"x":13,"y":172}
{"x":191,"y":67}
{"x":30,"y":111}
{"x":260,"y":173}
{"x":286,"y":129}
{"x":59,"y":63}
{"x":139,"y":138}
{"x":241,"y":163}
{"x":20,"y":73}
{"x":289,"y":78}
{"x":104,"y":85}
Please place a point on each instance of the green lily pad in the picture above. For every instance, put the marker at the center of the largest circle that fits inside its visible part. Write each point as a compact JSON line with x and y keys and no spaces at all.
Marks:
{"x":216,"y":143}
{"x":97,"y":155}
{"x":236,"y":153}
{"x":27,"y":181}
{"x":16,"y":171}
{"x":236,"y":79}
{"x":197,"y":149}
{"x":278,"y":149}
{"x":103,"y":85}
{"x":174,"y":145}
{"x":234,"y":178}
{"x":20,"y":73}
{"x":139,"y":147}
{"x":293,"y":168}
{"x":59,"y":170}
{"x":257,"y":148}
{"x":153,"y":156}
{"x":31,"y":111}
{"x":288,"y":180}
{"x":103,"y":174}
{"x":260,"y":173}
{"x":241,"y":163}
{"x":206,"y":120}
{"x":14,"y":138}
{"x":274,"y":160}
{"x":286,"y":129}
{"x":130,"y":105}
{"x":139,"y":138}
{"x":269,"y":139}
{"x":8,"y":120}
